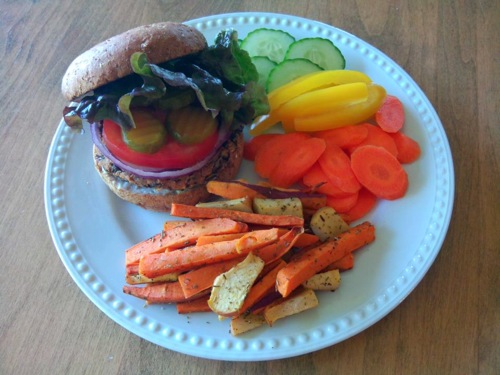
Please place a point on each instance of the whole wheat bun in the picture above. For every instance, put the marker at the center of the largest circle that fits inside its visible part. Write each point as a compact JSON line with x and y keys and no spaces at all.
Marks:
{"x":161,"y":193}
{"x":110,"y":60}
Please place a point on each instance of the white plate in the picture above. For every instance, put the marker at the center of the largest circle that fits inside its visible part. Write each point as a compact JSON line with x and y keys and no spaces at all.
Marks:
{"x":91,"y":228}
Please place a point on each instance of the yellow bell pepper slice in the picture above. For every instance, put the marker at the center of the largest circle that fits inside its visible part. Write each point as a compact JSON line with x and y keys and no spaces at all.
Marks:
{"x":314,"y":81}
{"x":324,"y":100}
{"x":349,"y":115}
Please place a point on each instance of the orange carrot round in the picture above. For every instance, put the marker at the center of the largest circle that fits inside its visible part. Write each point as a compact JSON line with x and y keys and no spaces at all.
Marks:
{"x":317,"y":179}
{"x":379,"y":171}
{"x":337,"y":166}
{"x":391,"y":115}
{"x":377,"y":137}
{"x":255,"y":144}
{"x":346,"y":136}
{"x":365,"y":203}
{"x":342,"y":204}
{"x":408,"y":148}
{"x":269,"y":157}
{"x":296,"y":161}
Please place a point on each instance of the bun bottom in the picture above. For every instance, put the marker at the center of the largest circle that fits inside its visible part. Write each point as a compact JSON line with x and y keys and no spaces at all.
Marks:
{"x":158,"y":195}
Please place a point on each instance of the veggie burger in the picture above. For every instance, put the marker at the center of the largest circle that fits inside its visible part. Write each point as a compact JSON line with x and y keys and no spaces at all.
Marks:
{"x":166,"y":111}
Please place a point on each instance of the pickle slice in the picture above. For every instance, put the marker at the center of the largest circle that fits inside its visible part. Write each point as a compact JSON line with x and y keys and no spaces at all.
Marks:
{"x":148,"y":136}
{"x":191,"y":125}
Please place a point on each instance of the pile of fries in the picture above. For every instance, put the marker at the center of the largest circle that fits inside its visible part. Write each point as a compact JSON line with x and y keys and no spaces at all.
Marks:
{"x":253,"y":268}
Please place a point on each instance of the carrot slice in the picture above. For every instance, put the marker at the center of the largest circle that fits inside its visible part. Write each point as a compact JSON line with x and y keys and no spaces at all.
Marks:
{"x":255,"y":144}
{"x":342,"y":204}
{"x":346,"y":136}
{"x":296,"y":161}
{"x":182,"y":235}
{"x":308,"y":262}
{"x":201,"y":279}
{"x":194,"y":212}
{"x":377,"y":137}
{"x":336,"y":165}
{"x":408,"y":148}
{"x":366,"y":202}
{"x":194,"y":306}
{"x":317,"y":179}
{"x":380,"y":172}
{"x":269,"y":158}
{"x":391,"y":115}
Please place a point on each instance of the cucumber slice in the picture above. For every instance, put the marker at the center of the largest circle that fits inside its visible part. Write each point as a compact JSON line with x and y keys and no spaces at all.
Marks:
{"x":289,"y":70}
{"x":264,"y":65}
{"x":268,"y":42}
{"x":319,"y":50}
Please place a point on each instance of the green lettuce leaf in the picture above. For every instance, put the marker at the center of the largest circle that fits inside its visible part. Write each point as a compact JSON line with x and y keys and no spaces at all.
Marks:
{"x":225,"y":59}
{"x":222,"y":79}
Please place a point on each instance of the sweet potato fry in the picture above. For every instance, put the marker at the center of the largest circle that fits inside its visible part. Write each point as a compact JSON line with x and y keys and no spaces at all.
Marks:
{"x":231,"y":190}
{"x":182,"y":235}
{"x":206,"y":239}
{"x":201,"y":279}
{"x":170,"y":292}
{"x":343,"y":264}
{"x":133,"y":277}
{"x":195,"y":305}
{"x":193,"y":212}
{"x":303,"y":240}
{"x":167,"y":225}
{"x":306,"y":263}
{"x":154,"y":265}
{"x":275,"y":251}
{"x":255,"y":239}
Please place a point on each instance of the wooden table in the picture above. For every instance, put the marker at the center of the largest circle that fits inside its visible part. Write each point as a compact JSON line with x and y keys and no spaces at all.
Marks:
{"x":448,"y":325}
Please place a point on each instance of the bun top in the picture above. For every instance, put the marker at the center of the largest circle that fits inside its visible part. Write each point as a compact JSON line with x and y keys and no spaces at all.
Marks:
{"x":110,"y":60}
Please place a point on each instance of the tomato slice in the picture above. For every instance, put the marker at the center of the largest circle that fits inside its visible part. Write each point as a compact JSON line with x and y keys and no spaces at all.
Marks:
{"x":171,"y":156}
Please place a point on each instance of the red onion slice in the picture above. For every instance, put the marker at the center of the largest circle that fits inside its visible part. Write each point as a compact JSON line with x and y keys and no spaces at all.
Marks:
{"x":155,"y":174}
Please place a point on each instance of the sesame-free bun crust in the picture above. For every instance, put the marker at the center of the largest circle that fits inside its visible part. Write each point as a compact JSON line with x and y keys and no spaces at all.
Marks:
{"x":110,"y":60}
{"x":189,"y":189}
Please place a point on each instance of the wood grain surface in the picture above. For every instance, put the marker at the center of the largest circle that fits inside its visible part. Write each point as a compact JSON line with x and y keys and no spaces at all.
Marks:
{"x":450,"y":324}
